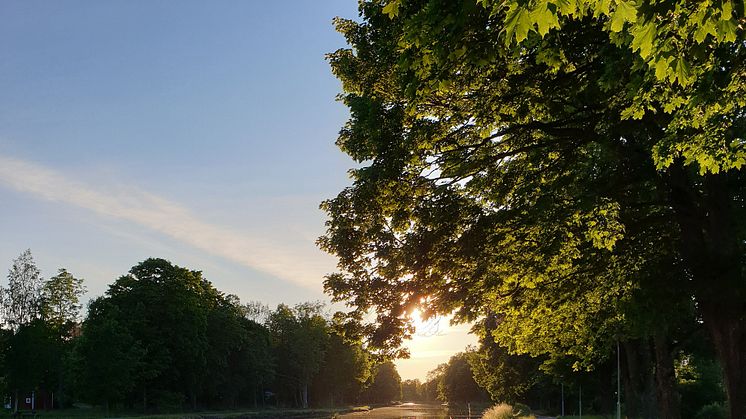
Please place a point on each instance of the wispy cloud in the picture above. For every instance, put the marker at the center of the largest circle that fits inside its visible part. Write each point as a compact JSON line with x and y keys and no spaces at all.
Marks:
{"x":167,"y":217}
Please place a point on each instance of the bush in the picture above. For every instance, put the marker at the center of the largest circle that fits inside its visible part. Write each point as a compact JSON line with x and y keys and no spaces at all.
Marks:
{"x":712,"y":411}
{"x":506,"y":411}
{"x":500,"y":411}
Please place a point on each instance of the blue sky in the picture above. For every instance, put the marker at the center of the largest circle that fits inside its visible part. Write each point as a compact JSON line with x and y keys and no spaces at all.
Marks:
{"x":200,"y":132}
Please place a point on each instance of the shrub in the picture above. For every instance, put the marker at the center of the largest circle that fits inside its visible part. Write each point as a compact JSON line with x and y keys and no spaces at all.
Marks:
{"x":500,"y":411}
{"x":712,"y":411}
{"x":506,"y":411}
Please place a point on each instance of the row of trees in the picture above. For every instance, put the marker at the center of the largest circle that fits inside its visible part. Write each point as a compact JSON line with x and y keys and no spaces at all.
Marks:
{"x":163,"y":338}
{"x":452,"y":382}
{"x":38,"y":320}
{"x":490,"y":373}
{"x":569,"y":172}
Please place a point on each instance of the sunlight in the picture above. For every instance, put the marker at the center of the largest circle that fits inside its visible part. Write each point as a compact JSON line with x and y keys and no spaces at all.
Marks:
{"x":425,"y":328}
{"x":434,"y":341}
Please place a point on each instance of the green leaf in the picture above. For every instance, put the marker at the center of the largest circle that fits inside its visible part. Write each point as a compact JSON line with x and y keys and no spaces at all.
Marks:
{"x":673,"y":104}
{"x":545,"y":19}
{"x":726,"y":30}
{"x":392,"y":8}
{"x":602,"y":8}
{"x":662,"y":68}
{"x":643,"y":37}
{"x":566,"y":7}
{"x":727,"y":12}
{"x":706,"y":28}
{"x":683,"y":72}
{"x":624,"y":12}
{"x":517,"y":23}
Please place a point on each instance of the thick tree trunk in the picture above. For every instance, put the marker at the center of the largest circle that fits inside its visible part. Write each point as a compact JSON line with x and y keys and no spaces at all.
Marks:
{"x":665,"y":377}
{"x":712,"y":246}
{"x":728,"y":331}
{"x":639,"y":394}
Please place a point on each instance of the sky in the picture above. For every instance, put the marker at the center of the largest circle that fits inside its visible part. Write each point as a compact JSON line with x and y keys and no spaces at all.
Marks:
{"x":194,"y":131}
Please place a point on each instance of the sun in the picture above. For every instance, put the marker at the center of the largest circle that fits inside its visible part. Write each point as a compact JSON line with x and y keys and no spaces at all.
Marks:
{"x":425,"y":328}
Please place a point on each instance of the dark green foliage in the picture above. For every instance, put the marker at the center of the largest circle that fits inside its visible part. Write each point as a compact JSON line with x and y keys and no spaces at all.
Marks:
{"x":343,"y":373}
{"x":412,"y":391}
{"x":5,"y":336}
{"x":41,"y":319}
{"x":239,"y":359}
{"x":700,"y":383}
{"x":299,"y":339}
{"x":712,"y":411}
{"x":167,"y":338}
{"x":385,"y":386}
{"x":458,"y":385}
{"x":107,"y":357}
{"x":30,"y":357}
{"x":433,"y":383}
{"x":163,"y":338}
{"x":506,"y":377}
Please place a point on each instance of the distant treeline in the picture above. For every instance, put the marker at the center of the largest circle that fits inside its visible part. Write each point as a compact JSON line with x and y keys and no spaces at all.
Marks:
{"x":163,"y":338}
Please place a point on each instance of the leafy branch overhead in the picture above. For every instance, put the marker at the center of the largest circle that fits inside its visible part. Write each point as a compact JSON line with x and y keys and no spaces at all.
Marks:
{"x":679,"y":62}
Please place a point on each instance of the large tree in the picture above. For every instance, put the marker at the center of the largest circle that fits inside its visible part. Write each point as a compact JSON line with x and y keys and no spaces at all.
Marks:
{"x":107,"y":358}
{"x":162,"y":335}
{"x":163,"y":310}
{"x":385,"y":386}
{"x":552,"y":162}
{"x":299,"y":337}
{"x":239,"y":362}
{"x":459,"y":386}
{"x":344,"y":371}
{"x":23,"y":297}
{"x":61,"y":300}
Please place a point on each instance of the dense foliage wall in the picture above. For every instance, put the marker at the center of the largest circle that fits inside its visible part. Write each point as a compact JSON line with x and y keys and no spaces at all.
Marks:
{"x":163,"y":338}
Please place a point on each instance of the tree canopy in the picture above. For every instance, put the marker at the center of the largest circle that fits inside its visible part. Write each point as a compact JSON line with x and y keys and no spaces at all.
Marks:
{"x":572,"y":167}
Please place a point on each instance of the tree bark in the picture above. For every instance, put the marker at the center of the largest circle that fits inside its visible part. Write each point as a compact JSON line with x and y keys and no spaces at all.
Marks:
{"x":639,"y":394}
{"x":631,"y":387}
{"x":713,"y":250}
{"x":729,"y":337}
{"x":665,"y":377}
